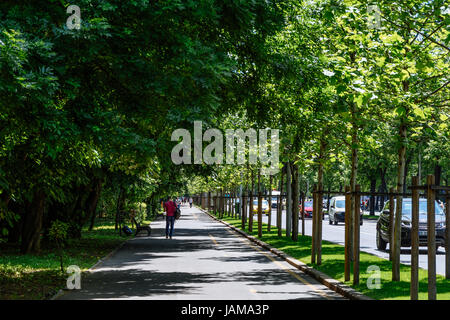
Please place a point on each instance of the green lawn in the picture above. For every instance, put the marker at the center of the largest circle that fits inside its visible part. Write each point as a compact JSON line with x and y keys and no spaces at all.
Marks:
{"x":333,"y":265}
{"x":39,"y":276}
{"x":369,"y":217}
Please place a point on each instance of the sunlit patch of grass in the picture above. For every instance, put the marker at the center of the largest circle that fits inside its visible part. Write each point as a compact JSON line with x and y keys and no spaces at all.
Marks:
{"x":369,"y":217}
{"x":333,"y":265}
{"x":39,"y":276}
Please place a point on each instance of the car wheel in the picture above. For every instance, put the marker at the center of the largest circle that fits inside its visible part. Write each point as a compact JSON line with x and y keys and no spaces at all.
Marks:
{"x":335,"y":221}
{"x":381,"y":244}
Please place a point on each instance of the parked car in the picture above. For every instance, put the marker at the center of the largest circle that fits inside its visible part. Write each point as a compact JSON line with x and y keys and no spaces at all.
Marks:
{"x":308,"y":209}
{"x":264,"y":206}
{"x":383,"y":224}
{"x":275,"y":194}
{"x":273,"y":202}
{"x":337,"y":211}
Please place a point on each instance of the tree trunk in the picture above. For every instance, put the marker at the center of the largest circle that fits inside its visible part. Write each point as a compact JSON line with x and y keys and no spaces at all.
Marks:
{"x":419,"y":163}
{"x":405,"y":175}
{"x":259,"y":205}
{"x":120,"y":202}
{"x":280,"y":205}
{"x":16,"y":231}
{"x":353,"y":177}
{"x":383,"y":188}
{"x":289,"y":199}
{"x":398,"y":207}
{"x":32,"y":224}
{"x":250,"y":213}
{"x":319,"y":200}
{"x":437,"y":175}
{"x":93,"y":201}
{"x":269,"y":218}
{"x":373,"y":185}
{"x":328,"y":197}
{"x":295,"y":196}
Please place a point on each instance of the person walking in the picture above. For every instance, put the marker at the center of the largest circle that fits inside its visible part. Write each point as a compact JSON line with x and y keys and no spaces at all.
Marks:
{"x":190,"y":202}
{"x":170,"y":207}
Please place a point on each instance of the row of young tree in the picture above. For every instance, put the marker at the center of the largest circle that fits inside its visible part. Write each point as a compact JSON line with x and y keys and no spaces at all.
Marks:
{"x":355,"y":105}
{"x":352,"y":103}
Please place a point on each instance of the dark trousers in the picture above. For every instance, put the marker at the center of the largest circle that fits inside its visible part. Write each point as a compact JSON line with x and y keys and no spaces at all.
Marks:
{"x":169,"y":221}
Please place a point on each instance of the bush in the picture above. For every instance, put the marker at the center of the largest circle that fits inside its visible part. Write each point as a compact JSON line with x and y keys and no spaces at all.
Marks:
{"x":58,"y":233}
{"x":140,"y":210}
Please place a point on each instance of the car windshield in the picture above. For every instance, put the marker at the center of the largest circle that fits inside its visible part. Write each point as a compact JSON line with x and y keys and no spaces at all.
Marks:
{"x":308,"y":204}
{"x":340,"y":203}
{"x":264,"y":202}
{"x":407,"y":208}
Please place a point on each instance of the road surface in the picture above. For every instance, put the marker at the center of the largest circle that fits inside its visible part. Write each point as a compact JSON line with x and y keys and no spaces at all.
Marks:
{"x":336,"y":234}
{"x":205,"y":260}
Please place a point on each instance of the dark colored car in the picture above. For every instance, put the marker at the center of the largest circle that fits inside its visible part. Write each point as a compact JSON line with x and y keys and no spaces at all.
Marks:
{"x":383,"y":224}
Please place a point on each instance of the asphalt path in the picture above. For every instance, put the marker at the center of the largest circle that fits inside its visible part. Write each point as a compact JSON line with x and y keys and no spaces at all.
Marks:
{"x":336,"y":234}
{"x":205,"y":260}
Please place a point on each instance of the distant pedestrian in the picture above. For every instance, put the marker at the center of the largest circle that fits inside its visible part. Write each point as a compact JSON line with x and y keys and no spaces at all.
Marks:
{"x":190,"y":202}
{"x":170,"y":207}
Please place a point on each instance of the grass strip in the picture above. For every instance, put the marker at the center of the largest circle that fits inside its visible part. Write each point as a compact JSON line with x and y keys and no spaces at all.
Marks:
{"x":333,"y":265}
{"x":36,"y":277}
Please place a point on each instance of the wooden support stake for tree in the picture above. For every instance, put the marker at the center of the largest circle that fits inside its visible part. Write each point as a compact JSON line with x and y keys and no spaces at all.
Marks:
{"x":235,"y":209}
{"x":225,"y":203}
{"x":280,"y":206}
{"x":319,"y":224}
{"x":303,"y":213}
{"x":230,"y":204}
{"x":222,"y":203}
{"x":391,"y":224}
{"x":209,"y":201}
{"x":295,"y":208}
{"x":259,"y":205}
{"x":397,"y":237}
{"x":314,"y":226}
{"x":356,"y":234}
{"x":447,"y":236}
{"x":250,"y":214}
{"x":288,"y":199}
{"x":278,"y":215}
{"x":414,"y":291}
{"x":216,"y":204}
{"x":347,"y":214}
{"x":204,"y":201}
{"x":269,"y":218}
{"x":243,"y":210}
{"x":431,"y":235}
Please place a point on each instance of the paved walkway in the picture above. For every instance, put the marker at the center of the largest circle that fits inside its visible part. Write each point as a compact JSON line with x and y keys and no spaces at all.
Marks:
{"x":205,"y":260}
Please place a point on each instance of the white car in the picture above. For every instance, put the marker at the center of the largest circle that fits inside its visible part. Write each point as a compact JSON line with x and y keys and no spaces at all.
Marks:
{"x":337,"y":211}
